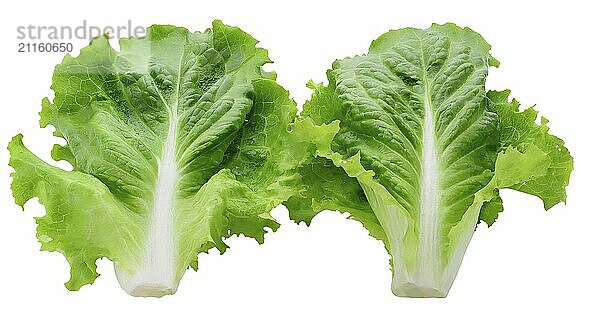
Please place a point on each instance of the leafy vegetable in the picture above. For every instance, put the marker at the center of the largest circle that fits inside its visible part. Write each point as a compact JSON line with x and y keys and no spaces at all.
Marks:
{"x":180,"y":139}
{"x":177,"y":141}
{"x":417,"y":150}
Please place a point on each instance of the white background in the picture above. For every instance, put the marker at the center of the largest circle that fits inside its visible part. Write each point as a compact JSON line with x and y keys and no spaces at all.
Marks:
{"x":530,"y":263}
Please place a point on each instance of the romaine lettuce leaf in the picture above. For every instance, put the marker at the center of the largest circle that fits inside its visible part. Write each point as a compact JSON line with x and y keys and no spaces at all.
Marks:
{"x":412,"y":122}
{"x":177,"y":141}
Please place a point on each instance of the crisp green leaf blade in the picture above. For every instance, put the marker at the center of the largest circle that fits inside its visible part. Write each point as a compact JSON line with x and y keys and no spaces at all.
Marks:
{"x":327,"y":187}
{"x":491,"y":209}
{"x":429,"y":148}
{"x":84,"y":221}
{"x":159,"y":127}
{"x":520,"y":130}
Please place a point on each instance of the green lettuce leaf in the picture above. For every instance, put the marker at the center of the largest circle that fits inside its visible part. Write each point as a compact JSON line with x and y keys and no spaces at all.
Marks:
{"x":177,"y":141}
{"x":412,"y":122}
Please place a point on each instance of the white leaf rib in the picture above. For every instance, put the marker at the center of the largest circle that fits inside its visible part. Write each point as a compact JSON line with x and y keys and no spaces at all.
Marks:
{"x":157,"y":276}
